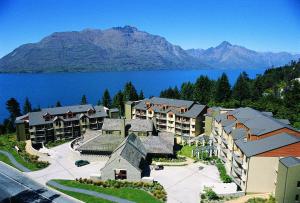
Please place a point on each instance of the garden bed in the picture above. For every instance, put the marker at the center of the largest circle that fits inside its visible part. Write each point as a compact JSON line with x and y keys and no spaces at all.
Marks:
{"x":8,"y":143}
{"x":134,"y":191}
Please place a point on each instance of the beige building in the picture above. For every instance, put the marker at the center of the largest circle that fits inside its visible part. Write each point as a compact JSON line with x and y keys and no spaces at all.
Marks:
{"x":60,"y":123}
{"x":181,"y":117}
{"x":288,"y":180}
{"x":251,"y":144}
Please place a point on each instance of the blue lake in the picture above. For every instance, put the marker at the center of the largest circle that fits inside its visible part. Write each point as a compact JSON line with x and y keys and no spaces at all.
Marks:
{"x":46,"y":89}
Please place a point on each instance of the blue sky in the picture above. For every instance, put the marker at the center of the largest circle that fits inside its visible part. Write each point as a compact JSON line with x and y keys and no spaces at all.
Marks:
{"x":262,"y":25}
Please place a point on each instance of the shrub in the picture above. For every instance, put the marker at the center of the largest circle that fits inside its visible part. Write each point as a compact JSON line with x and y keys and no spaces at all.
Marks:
{"x":209,"y":194}
{"x":223,"y":175}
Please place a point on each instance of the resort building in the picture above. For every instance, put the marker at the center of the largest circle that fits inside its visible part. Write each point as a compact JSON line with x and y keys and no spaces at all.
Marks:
{"x":60,"y":123}
{"x":181,"y":117}
{"x":251,"y":145}
{"x":127,"y":162}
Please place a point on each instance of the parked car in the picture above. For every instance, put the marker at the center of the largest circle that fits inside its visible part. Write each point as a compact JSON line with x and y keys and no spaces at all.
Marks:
{"x":81,"y":163}
{"x":158,"y":167}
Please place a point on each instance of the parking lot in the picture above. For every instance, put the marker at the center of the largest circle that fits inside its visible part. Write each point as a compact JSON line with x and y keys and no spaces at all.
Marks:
{"x":184,"y":183}
{"x":62,"y":166}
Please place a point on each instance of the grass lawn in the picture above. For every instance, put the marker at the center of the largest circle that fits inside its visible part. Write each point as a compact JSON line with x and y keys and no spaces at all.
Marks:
{"x":186,"y":150}
{"x":6,"y":160}
{"x":7,"y":143}
{"x":84,"y":197}
{"x":135,"y":195}
{"x":55,"y":143}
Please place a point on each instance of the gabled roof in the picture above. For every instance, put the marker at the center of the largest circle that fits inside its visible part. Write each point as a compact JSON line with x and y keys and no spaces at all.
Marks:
{"x":161,"y":144}
{"x":252,"y":148}
{"x":137,"y":125}
{"x":65,"y":109}
{"x":290,"y":161}
{"x":195,"y":111}
{"x":131,"y":149}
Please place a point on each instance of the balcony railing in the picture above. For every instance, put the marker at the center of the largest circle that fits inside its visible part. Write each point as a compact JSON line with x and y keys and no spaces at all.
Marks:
{"x":237,"y":170}
{"x":237,"y":158}
{"x":237,"y":181}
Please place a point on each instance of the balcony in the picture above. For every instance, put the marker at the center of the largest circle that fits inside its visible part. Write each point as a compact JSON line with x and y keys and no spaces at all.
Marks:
{"x":238,"y":171}
{"x":224,"y":141}
{"x":225,"y":150}
{"x":237,"y":158}
{"x":237,"y":181}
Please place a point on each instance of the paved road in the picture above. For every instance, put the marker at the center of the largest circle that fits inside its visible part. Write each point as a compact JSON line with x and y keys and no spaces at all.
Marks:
{"x":17,"y":187}
{"x":89,"y":192}
{"x":14,"y":162}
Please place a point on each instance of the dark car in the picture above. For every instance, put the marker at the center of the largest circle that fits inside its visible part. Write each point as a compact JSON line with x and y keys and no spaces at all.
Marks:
{"x":81,"y":163}
{"x":158,"y":167}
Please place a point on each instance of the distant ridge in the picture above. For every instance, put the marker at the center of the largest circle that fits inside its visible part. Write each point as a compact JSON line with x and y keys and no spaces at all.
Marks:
{"x":127,"y":48}
{"x":227,"y":56}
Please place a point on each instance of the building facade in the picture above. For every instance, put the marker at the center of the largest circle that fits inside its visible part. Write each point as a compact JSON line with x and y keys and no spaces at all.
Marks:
{"x":181,"y":117}
{"x":288,"y":180}
{"x":59,"y":123}
{"x":251,"y":144}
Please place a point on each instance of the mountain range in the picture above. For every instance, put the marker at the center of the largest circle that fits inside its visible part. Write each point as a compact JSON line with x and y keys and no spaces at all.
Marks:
{"x":127,"y":48}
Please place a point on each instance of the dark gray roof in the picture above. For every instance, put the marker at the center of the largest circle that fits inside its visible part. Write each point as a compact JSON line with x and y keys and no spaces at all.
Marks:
{"x":64,"y":109}
{"x":139,"y":125}
{"x":259,"y":123}
{"x":101,"y":143}
{"x":194,"y":111}
{"x":285,"y":121}
{"x":251,"y":148}
{"x":114,"y":110}
{"x":171,"y":102}
{"x":36,"y":118}
{"x":290,"y":161}
{"x":130,"y":149}
{"x":238,"y":133}
{"x":161,"y":144}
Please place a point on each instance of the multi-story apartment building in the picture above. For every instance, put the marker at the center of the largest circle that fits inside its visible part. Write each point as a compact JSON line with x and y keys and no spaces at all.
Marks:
{"x":181,"y":117}
{"x":250,"y":144}
{"x":58,"y":123}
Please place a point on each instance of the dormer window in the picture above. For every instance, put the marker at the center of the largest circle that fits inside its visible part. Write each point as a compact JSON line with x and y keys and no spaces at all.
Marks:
{"x":47,"y":116}
{"x":90,"y":111}
{"x":148,"y":105}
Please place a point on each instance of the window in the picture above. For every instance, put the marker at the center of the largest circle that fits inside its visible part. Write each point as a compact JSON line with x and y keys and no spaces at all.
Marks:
{"x":297,"y":197}
{"x":170,"y":115}
{"x":298,"y":184}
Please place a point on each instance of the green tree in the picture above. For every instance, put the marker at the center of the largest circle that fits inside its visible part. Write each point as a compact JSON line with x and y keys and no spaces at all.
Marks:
{"x":130,"y":93}
{"x":118,"y":102}
{"x":58,"y":104}
{"x":292,"y":95}
{"x":203,"y":90}
{"x":257,"y":88}
{"x":13,"y":107}
{"x":223,"y":91}
{"x":241,"y":89}
{"x":141,"y":95}
{"x":106,"y":99}
{"x":83,"y":100}
{"x":170,"y":93}
{"x":27,"y":106}
{"x":187,"y":91}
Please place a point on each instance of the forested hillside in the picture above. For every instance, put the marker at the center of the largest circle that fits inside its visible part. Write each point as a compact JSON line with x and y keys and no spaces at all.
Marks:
{"x":277,"y":90}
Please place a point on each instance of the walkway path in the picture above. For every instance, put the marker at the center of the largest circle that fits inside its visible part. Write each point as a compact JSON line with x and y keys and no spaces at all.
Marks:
{"x":14,"y":161}
{"x":88,"y":192}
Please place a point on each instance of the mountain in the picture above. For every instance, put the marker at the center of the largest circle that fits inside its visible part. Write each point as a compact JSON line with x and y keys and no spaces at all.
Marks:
{"x":127,"y":48}
{"x":115,"y":49}
{"x":227,"y":55}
